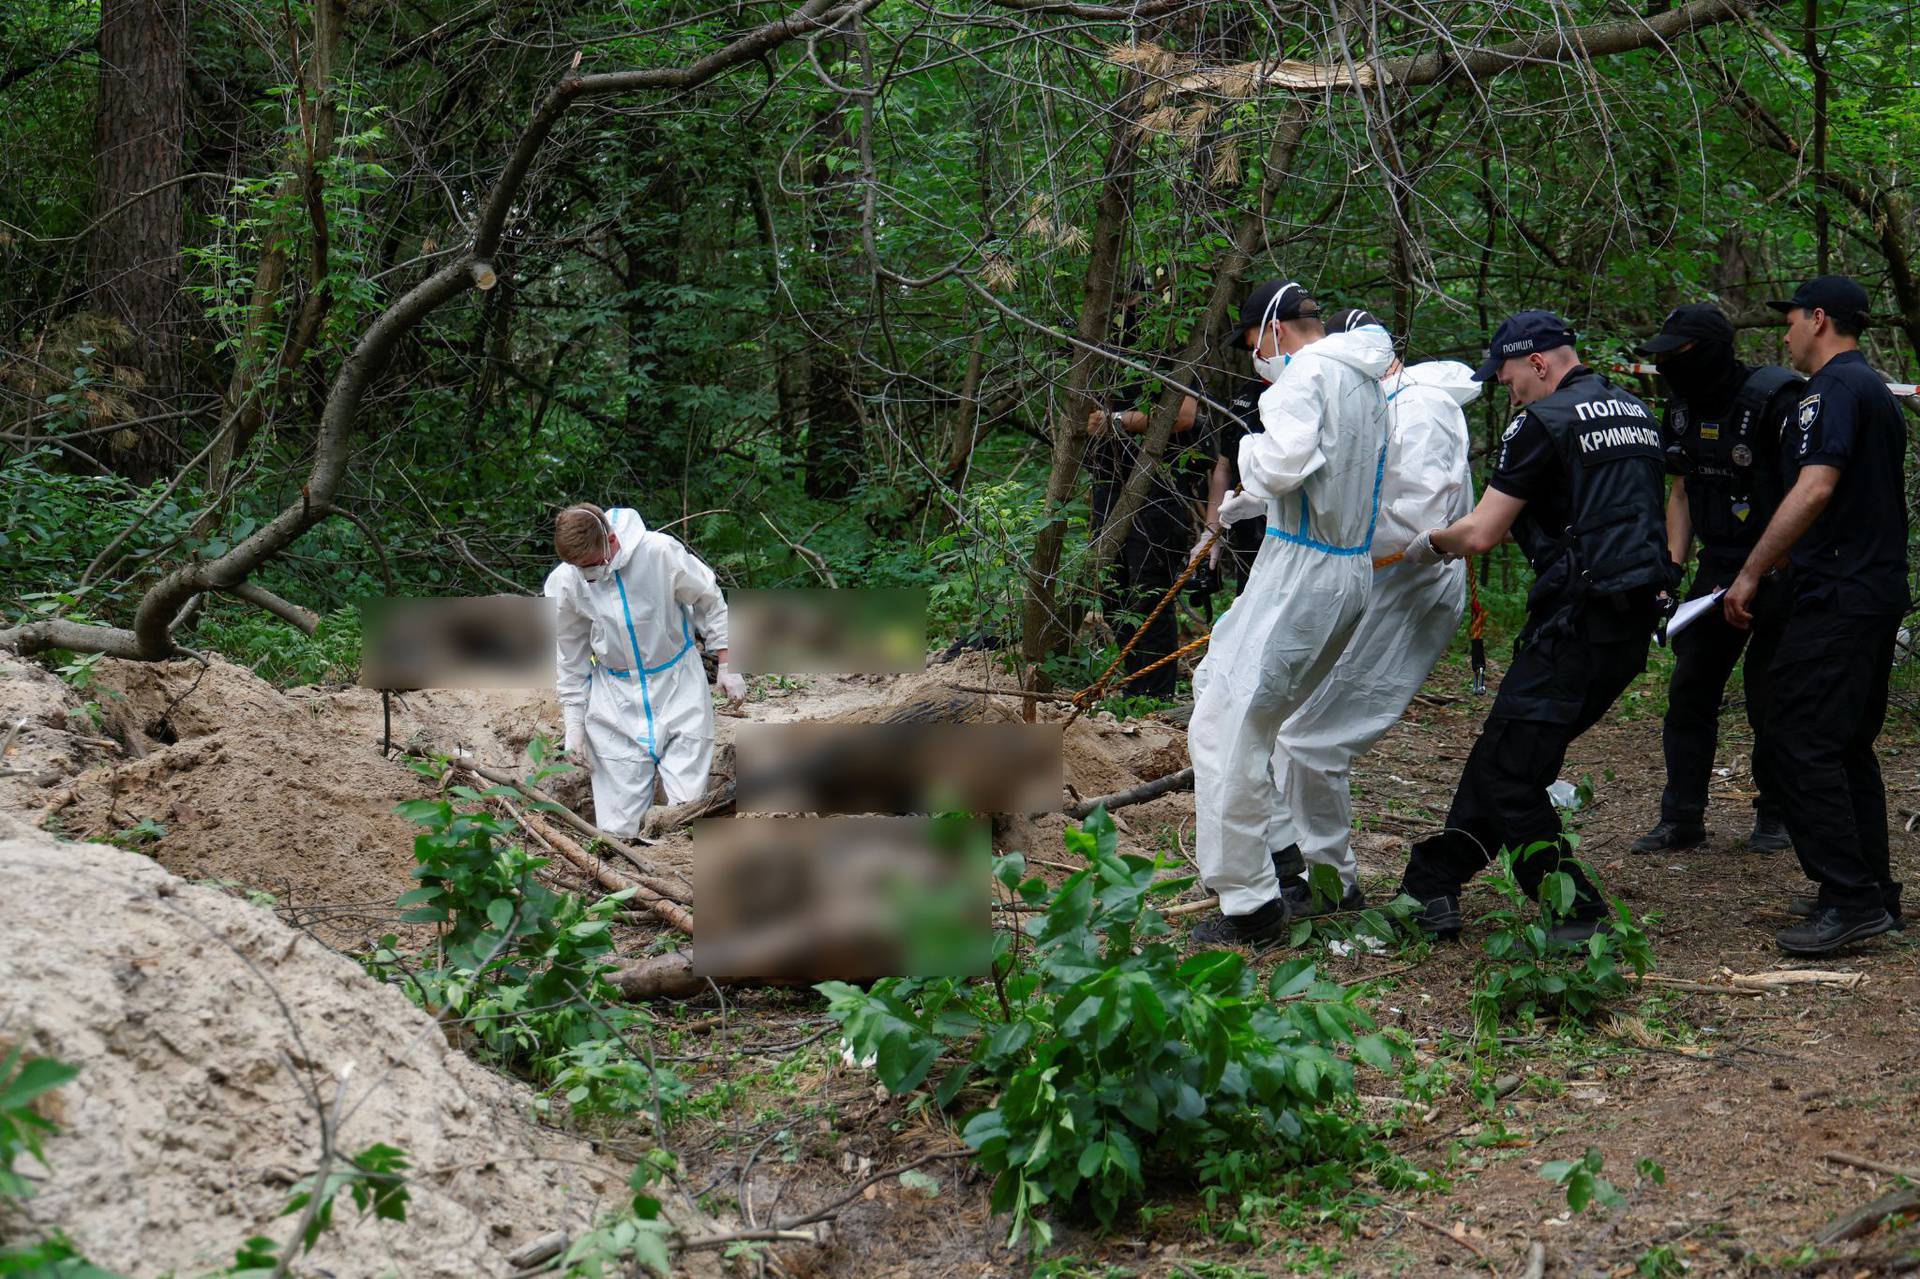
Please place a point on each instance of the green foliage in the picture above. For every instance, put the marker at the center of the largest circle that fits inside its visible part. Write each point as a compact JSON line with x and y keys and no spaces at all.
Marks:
{"x":23,"y":1081}
{"x":138,"y":836}
{"x":1111,"y":1060}
{"x":638,"y":1235}
{"x":1660,"y":1262}
{"x":1582,"y":1181}
{"x":1584,"y":1185}
{"x":1527,"y":976}
{"x":279,"y":652}
{"x":375,"y":1179}
{"x":522,"y":968}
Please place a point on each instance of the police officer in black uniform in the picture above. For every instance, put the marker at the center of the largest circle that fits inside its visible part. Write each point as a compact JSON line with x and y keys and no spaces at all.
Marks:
{"x":1579,"y":483}
{"x":1722,"y":429}
{"x":1843,"y":526}
{"x":1155,"y":550}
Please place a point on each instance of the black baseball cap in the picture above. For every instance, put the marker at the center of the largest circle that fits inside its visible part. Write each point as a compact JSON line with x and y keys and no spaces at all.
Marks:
{"x":1273,"y":300}
{"x":1523,"y":334}
{"x":1352,"y":318}
{"x":1837,"y":295}
{"x":1694,"y":322}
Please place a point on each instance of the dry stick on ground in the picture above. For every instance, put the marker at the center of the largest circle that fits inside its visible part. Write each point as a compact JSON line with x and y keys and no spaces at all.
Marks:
{"x":650,"y":885}
{"x":623,"y":847}
{"x":1870,"y":1165}
{"x":1137,"y":795}
{"x":1459,"y":1238}
{"x":1536,"y":1262}
{"x":1700,"y":987}
{"x":644,"y":897}
{"x":1011,"y":692}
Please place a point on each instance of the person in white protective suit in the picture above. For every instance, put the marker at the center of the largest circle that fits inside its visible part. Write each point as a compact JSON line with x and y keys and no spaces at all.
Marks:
{"x":1314,"y":471}
{"x":1411,"y":615}
{"x":633,"y":694}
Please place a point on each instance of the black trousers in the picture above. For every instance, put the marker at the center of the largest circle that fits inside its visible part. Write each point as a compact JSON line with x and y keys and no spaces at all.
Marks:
{"x":1829,"y":700}
{"x":1704,"y":656}
{"x":1147,"y":566}
{"x":1566,"y":672}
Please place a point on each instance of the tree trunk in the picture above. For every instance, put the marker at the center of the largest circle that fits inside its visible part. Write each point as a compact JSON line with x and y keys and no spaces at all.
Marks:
{"x":1227,"y":272}
{"x":1041,"y":629}
{"x":259,"y":371}
{"x":832,"y":457}
{"x":133,"y":252}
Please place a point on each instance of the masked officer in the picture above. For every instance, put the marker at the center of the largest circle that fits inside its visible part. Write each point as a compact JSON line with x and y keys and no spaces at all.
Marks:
{"x":1722,"y":429}
{"x":1151,"y":557}
{"x":1843,"y":525}
{"x":1238,"y":545}
{"x":1579,"y":483}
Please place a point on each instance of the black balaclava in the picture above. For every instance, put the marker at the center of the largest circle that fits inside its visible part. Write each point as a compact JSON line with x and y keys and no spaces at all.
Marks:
{"x":1706,"y":375}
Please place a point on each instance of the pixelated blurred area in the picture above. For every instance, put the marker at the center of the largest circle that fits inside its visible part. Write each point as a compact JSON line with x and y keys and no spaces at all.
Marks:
{"x":827,"y":632}
{"x":898,"y":768}
{"x":853,"y":898}
{"x":490,"y":641}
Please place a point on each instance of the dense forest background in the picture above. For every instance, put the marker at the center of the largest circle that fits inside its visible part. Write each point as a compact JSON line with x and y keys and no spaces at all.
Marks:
{"x":307,"y":303}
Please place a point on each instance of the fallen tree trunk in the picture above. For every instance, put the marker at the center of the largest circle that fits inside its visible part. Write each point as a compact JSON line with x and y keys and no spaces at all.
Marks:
{"x":660,"y":977}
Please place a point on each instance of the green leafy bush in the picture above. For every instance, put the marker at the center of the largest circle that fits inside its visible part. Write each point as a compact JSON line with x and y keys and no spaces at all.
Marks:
{"x":1107,"y":1059}
{"x":522,"y":968}
{"x":1527,"y":977}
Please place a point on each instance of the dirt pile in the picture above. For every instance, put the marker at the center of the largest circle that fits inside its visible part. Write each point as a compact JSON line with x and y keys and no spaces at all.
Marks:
{"x":201,"y":1026}
{"x":283,"y":792}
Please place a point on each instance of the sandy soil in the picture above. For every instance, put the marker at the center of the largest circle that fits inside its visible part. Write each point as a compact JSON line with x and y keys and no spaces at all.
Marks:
{"x":1739,"y":1099}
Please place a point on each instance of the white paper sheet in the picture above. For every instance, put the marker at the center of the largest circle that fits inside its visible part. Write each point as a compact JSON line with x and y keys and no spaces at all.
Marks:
{"x":1690,"y":612}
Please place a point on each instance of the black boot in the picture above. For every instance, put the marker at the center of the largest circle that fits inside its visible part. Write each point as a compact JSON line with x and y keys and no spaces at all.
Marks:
{"x":1807,"y":905}
{"x":1305,"y":904}
{"x":1439,"y":917}
{"x":1832,"y":927}
{"x":1265,"y":925}
{"x":1769,"y":834}
{"x":1671,"y":837}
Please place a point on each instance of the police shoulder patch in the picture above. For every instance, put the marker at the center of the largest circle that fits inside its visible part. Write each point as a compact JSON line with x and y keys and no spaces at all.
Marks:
{"x":1809,"y":412}
{"x":1513,"y":428}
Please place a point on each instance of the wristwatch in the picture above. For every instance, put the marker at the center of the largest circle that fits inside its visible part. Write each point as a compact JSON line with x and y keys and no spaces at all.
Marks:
{"x":1117,"y":420}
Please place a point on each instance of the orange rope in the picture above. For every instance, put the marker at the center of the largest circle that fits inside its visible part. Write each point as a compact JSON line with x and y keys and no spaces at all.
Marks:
{"x":1081,"y":698}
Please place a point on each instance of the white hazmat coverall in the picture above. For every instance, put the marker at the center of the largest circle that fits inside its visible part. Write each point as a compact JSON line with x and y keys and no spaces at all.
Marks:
{"x":626,"y":668}
{"x":1411,"y":615}
{"x":1318,"y":461}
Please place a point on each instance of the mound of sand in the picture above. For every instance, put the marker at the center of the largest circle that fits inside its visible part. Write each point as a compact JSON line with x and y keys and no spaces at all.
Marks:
{"x":284,"y":792}
{"x":199,"y":1024}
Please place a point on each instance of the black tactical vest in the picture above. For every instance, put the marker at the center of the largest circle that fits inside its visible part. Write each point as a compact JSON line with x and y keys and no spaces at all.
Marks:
{"x":1732,"y":473}
{"x":1609,"y":445}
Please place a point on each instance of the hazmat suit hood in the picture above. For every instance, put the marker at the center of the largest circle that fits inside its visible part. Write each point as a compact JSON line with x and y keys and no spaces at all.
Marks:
{"x":628,"y":527}
{"x":1448,"y":377}
{"x":1428,"y":484}
{"x":1367,"y":350}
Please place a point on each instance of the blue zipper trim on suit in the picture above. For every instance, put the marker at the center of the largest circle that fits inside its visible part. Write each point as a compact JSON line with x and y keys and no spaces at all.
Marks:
{"x":633,"y":640}
{"x":1302,"y":538}
{"x":686,"y":634}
